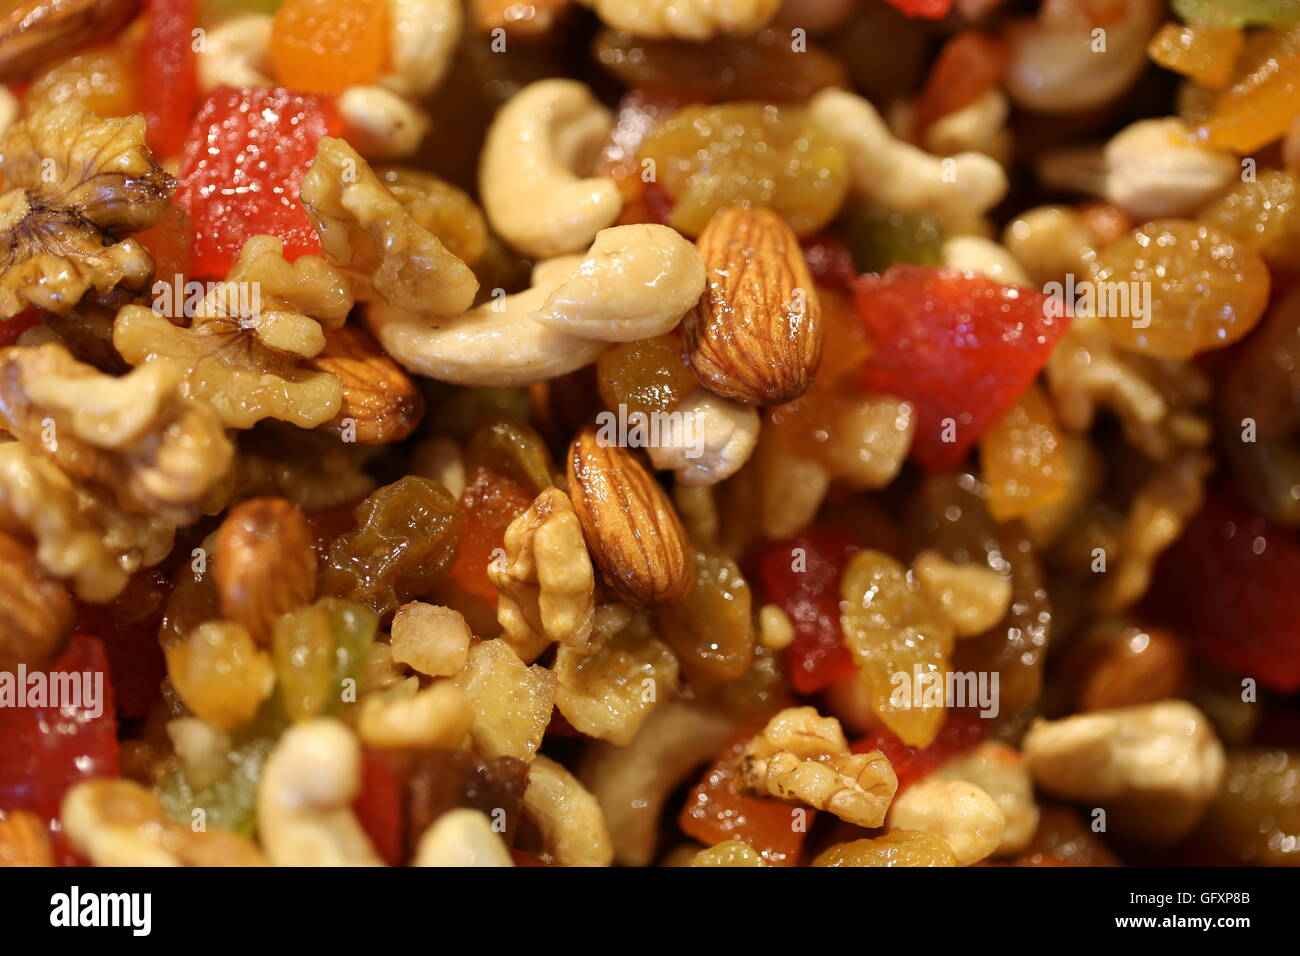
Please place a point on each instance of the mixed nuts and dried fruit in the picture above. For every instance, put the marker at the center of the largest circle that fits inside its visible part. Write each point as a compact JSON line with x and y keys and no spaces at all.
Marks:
{"x":697,"y":433}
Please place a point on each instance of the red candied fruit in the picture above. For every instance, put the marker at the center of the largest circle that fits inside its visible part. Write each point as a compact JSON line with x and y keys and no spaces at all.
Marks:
{"x":715,"y":812}
{"x":1228,"y":585}
{"x":959,"y":346}
{"x":45,"y":750}
{"x":802,"y":576}
{"x":247,"y":152}
{"x":129,"y":625}
{"x":378,"y":806}
{"x":959,"y":733}
{"x":167,"y":58}
{"x":929,"y":9}
{"x":10,"y":329}
{"x":968,"y":66}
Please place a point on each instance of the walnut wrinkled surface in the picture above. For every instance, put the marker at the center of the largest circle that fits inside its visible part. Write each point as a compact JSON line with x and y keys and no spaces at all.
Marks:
{"x":78,"y":186}
{"x":547,"y":589}
{"x":367,"y":232}
{"x":802,"y":756}
{"x":138,"y":436}
{"x":245,"y":351}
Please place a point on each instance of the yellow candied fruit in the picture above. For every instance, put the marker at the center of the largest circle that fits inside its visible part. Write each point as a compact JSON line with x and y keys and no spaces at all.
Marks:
{"x":892,"y":630}
{"x":1263,"y":214}
{"x":102,"y":79}
{"x":748,"y":154}
{"x":895,"y":848}
{"x":1173,"y":288}
{"x":1199,"y":53}
{"x":220,"y":673}
{"x":325,"y":46}
{"x":1023,"y":454}
{"x":1258,"y":108}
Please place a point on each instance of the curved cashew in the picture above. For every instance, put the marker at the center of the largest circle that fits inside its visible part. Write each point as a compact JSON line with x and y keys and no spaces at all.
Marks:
{"x":896,"y":173}
{"x":462,"y":837}
{"x":631,"y":783}
{"x":956,"y":811}
{"x":1000,"y":772}
{"x":539,"y":143}
{"x":685,"y":19}
{"x":1050,"y":242}
{"x":304,"y":814}
{"x":706,"y":439}
{"x":980,"y":127}
{"x":494,"y":344}
{"x":379,"y":123}
{"x":422,"y":37}
{"x":636,"y":282}
{"x":1155,"y":168}
{"x":988,"y":258}
{"x":568,"y":817}
{"x":237,"y":53}
{"x":1057,"y":63}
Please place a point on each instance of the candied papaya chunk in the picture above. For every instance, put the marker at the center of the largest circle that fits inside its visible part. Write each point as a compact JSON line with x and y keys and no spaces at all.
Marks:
{"x":489,"y":503}
{"x":325,"y":46}
{"x":749,"y":154}
{"x":1258,"y":108}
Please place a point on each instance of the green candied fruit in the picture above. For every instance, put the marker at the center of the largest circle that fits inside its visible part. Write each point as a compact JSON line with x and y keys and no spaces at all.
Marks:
{"x":460,"y":412}
{"x":878,"y":237}
{"x":214,"y":11}
{"x":229,"y":802}
{"x":320,"y":653}
{"x":354,"y":628}
{"x":1234,"y":14}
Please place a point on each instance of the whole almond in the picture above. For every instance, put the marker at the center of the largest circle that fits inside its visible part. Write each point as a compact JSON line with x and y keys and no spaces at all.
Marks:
{"x":380,"y":401}
{"x":37,"y":32}
{"x":756,"y":333}
{"x":265,"y":564}
{"x":629,"y":524}
{"x":1120,"y":667}
{"x":24,"y":840}
{"x":36,"y":613}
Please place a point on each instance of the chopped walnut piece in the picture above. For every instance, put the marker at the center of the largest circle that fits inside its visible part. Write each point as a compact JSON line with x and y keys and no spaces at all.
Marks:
{"x":38,"y":612}
{"x":245,"y":352}
{"x":511,"y":701}
{"x":367,"y":232}
{"x":546,"y":583}
{"x":158,"y":451}
{"x":78,"y":185}
{"x":802,"y":756}
{"x":80,"y":534}
{"x":430,"y":639}
{"x":610,"y":693}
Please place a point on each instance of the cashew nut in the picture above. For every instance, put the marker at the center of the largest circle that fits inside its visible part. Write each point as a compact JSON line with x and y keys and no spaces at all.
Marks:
{"x":1000,"y":772}
{"x":567,"y":816}
{"x":631,"y":783}
{"x":379,"y":123}
{"x":956,"y":811}
{"x":685,"y":19}
{"x":706,"y":438}
{"x":538,"y":145}
{"x":422,"y":37}
{"x":1155,"y":168}
{"x":973,"y":597}
{"x":236,"y":53}
{"x":495,"y":344}
{"x":1157,"y":766}
{"x":462,"y":837}
{"x":899,"y":175}
{"x":304,"y":797}
{"x":980,"y":126}
{"x":988,"y":258}
{"x":636,"y":282}
{"x":1062,"y":63}
{"x":1050,"y":242}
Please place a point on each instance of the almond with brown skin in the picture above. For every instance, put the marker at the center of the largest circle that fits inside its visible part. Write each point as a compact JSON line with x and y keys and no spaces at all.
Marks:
{"x":756,"y":334}
{"x":36,"y":613}
{"x":1126,"y":665}
{"x":380,"y":401}
{"x":37,"y":32}
{"x":265,"y":564}
{"x":24,"y":840}
{"x":629,"y":524}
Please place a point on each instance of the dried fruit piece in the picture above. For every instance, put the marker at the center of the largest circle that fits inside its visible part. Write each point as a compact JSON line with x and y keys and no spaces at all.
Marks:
{"x":961,"y":348}
{"x":77,"y":186}
{"x":1262,"y":214}
{"x":380,"y":403}
{"x":879,"y":237}
{"x":1023,"y":457}
{"x":265,"y":565}
{"x":756,"y":334}
{"x":24,"y":840}
{"x":1237,"y":13}
{"x":650,"y":375}
{"x":442,"y":780}
{"x":34,"y":31}
{"x":631,"y":528}
{"x":710,"y":157}
{"x":407,"y":534}
{"x":928,"y":9}
{"x":891,"y":629}
{"x":220,"y":673}
{"x":959,"y":734}
{"x":1255,"y":820}
{"x":490,"y":502}
{"x":895,"y":848}
{"x":712,"y":631}
{"x":1200,"y":53}
{"x":244,"y":161}
{"x":1203,"y":289}
{"x":325,"y":46}
{"x":167,"y":58}
{"x":511,"y":701}
{"x":968,"y":66}
{"x":102,"y":79}
{"x":38,"y":610}
{"x":1259,"y":107}
{"x":320,"y":652}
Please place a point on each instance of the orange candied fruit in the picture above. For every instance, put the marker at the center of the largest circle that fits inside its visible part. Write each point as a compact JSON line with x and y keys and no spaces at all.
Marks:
{"x":1259,"y":108}
{"x":325,"y":46}
{"x":489,"y":502}
{"x":1199,"y":53}
{"x":102,"y":79}
{"x":1024,"y":458}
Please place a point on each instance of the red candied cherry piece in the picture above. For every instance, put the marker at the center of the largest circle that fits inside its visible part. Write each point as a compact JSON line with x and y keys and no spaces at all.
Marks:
{"x":378,"y":806}
{"x":929,"y":9}
{"x":129,"y":626}
{"x":958,"y":734}
{"x":167,"y":58}
{"x":246,"y":155}
{"x":45,"y":750}
{"x":802,"y":576}
{"x":959,"y":346}
{"x":1229,"y":585}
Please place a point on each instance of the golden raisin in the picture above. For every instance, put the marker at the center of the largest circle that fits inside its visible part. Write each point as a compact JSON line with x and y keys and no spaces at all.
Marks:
{"x":1202,"y":54}
{"x":712,"y":631}
{"x":1259,"y":108}
{"x":1023,"y":456}
{"x":220,"y":673}
{"x":1262,"y":213}
{"x":895,"y":848}
{"x":651,"y":375}
{"x":748,"y":154}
